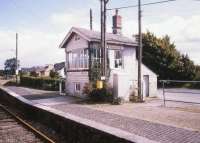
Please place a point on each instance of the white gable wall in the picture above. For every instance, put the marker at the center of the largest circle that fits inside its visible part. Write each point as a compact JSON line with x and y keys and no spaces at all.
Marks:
{"x":75,"y":44}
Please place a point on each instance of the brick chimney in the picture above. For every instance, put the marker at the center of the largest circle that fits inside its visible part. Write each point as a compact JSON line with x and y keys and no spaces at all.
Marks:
{"x":117,"y":23}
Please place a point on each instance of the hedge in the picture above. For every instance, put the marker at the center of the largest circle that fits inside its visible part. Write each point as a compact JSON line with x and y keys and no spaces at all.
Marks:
{"x":44,"y":83}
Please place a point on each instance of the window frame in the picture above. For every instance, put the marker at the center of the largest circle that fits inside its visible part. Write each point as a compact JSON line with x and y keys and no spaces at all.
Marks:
{"x":119,"y":59}
{"x":78,"y":59}
{"x":75,"y":86}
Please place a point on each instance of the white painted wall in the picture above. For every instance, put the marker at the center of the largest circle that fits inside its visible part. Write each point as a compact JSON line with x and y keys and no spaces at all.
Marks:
{"x":121,"y":86}
{"x":76,"y":44}
{"x":62,"y":72}
{"x":130,"y":70}
{"x":76,"y":77}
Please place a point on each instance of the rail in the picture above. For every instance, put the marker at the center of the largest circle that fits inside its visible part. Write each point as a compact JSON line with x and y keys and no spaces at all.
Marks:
{"x":39,"y":134}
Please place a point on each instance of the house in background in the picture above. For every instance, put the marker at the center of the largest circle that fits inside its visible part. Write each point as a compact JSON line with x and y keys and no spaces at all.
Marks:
{"x":45,"y":71}
{"x":60,"y":69}
{"x":28,"y":71}
{"x":39,"y":70}
{"x":82,"y":48}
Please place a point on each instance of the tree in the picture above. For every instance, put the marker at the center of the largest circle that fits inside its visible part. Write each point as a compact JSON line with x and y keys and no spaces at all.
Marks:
{"x":161,"y":56}
{"x":10,"y":66}
{"x":1,"y":72}
{"x":54,"y":74}
{"x":34,"y":74}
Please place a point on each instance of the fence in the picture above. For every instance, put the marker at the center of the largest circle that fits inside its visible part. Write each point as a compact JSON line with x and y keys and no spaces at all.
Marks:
{"x":180,"y":91}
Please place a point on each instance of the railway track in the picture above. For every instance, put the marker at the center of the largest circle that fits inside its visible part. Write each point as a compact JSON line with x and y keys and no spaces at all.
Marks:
{"x":15,"y":130}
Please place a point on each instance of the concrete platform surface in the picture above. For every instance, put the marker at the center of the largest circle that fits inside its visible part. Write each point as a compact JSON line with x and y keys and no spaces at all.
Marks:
{"x":160,"y":132}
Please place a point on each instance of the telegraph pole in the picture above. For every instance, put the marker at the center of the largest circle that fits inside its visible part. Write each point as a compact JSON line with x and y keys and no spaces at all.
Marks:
{"x":140,"y":96}
{"x":104,"y":44}
{"x":91,"y":20}
{"x":101,"y":14}
{"x":16,"y":72}
{"x":103,"y":39}
{"x":140,"y":52}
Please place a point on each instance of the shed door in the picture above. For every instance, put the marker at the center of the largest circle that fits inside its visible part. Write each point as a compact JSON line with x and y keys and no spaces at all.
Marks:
{"x":146,"y":85}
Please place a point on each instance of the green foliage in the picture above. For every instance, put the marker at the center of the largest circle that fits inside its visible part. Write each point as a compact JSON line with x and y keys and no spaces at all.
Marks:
{"x":95,"y":72}
{"x":34,"y":74}
{"x":118,"y":101}
{"x":88,"y":88}
{"x":197,"y":78}
{"x":98,"y":95}
{"x":161,"y":56}
{"x":10,"y":66}
{"x":1,"y":72}
{"x":54,"y":74}
{"x":40,"y":83}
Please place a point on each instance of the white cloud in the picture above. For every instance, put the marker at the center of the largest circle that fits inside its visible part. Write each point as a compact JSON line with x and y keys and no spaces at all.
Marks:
{"x":129,"y":28}
{"x":179,"y":28}
{"x":192,"y":30}
{"x":40,"y":46}
{"x":7,"y":46}
{"x":185,"y":32}
{"x":35,"y":48}
{"x":64,"y":21}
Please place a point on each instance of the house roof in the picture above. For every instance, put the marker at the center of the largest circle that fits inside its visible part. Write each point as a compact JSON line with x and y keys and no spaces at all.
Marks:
{"x":59,"y":66}
{"x":95,"y":36}
{"x":31,"y":69}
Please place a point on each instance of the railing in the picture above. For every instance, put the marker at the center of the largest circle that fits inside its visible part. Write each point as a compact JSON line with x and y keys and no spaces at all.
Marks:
{"x":180,"y":91}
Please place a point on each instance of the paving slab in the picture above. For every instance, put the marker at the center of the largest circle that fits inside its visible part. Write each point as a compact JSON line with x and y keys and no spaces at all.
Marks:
{"x":57,"y":100}
{"x":153,"y":131}
{"x":34,"y":94}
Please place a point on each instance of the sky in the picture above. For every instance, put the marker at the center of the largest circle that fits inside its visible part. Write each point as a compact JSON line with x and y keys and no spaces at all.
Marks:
{"x":43,"y":24}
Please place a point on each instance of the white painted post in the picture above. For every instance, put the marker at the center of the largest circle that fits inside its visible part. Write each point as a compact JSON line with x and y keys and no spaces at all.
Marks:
{"x":164,"y":92}
{"x":60,"y":87}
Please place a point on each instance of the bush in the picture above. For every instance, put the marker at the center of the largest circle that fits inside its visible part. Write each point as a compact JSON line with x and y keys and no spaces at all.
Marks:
{"x":40,"y":83}
{"x":118,"y":101}
{"x":196,"y":85}
{"x":101,"y":95}
{"x":98,"y":95}
{"x":88,"y":88}
{"x":34,"y":74}
{"x":54,"y":74}
{"x":2,"y":72}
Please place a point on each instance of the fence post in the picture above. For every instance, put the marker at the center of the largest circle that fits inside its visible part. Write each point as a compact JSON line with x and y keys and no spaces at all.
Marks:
{"x":163,"y":86}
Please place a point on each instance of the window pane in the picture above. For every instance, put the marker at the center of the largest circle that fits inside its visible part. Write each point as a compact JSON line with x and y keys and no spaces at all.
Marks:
{"x":78,"y":59}
{"x":77,"y":86}
{"x":86,"y":58}
{"x":118,"y":59}
{"x":81,"y":59}
{"x":74,"y":60}
{"x":69,"y":60}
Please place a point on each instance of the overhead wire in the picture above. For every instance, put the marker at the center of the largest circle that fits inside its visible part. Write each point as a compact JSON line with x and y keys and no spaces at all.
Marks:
{"x":145,"y":4}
